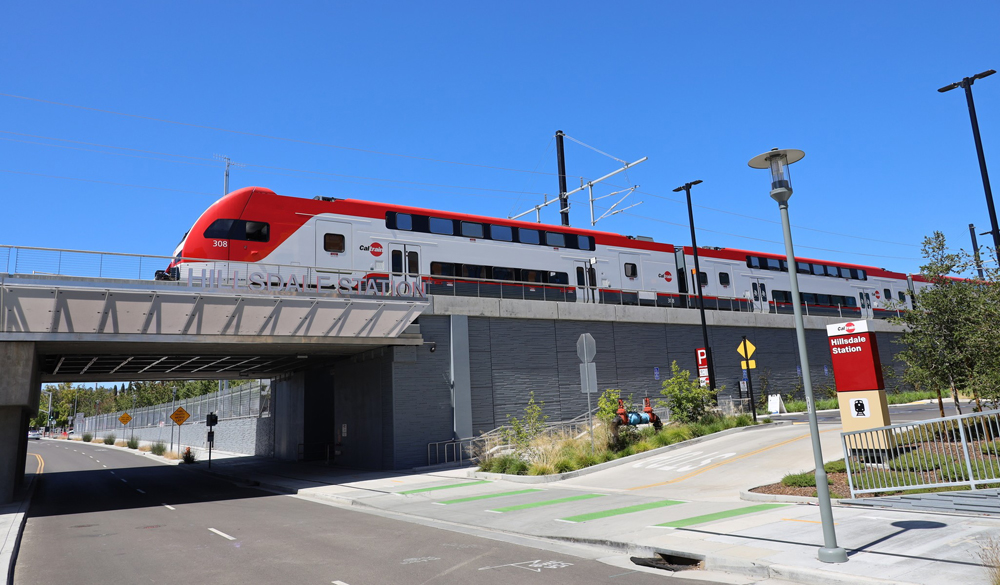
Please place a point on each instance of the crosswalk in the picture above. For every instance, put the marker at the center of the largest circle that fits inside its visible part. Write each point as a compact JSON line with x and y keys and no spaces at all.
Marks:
{"x":575,"y":507}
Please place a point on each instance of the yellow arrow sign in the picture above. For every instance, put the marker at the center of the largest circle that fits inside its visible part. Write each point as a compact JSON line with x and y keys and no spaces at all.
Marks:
{"x":179,"y":416}
{"x":749,"y":349}
{"x":124,"y":418}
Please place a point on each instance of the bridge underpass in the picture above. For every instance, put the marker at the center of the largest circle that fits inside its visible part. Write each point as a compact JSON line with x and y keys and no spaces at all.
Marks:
{"x":55,"y":329}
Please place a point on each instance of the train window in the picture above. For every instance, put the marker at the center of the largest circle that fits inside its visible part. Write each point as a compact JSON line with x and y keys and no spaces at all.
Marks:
{"x":822,"y":299}
{"x":781,"y":296}
{"x":818,"y":269}
{"x":850,"y":302}
{"x":862,"y":275}
{"x":219,"y":229}
{"x":809,"y":298}
{"x":531,"y":276}
{"x":631,"y":270}
{"x":442,"y":269}
{"x":404,"y":221}
{"x":558,"y":278}
{"x":473,"y":271}
{"x":258,"y":231}
{"x":753,"y":262}
{"x":724,"y":278}
{"x":333,"y":242}
{"x":504,"y":274}
{"x":702,"y":279}
{"x":502,"y":232}
{"x":902,"y":297}
{"x":580,"y":276}
{"x":802,"y":267}
{"x":555,"y":239}
{"x":527,"y":236}
{"x":783,"y":264}
{"x":756,"y":293}
{"x":845,"y":272}
{"x":763,"y":292}
{"x":396,"y":264}
{"x":442,"y":226}
{"x":888,"y":294}
{"x":412,"y":263}
{"x":472,"y":229}
{"x":585,"y":242}
{"x":832,"y":271}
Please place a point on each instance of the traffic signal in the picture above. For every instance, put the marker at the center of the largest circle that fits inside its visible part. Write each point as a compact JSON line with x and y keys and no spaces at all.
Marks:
{"x":212,"y":420}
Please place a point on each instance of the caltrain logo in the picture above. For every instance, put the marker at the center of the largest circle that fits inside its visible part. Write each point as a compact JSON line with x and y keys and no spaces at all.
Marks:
{"x":667,"y":276}
{"x":375,"y":249}
{"x":849,"y":327}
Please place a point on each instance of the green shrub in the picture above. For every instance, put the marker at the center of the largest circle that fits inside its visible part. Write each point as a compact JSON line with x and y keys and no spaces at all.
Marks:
{"x":87,"y":437}
{"x":918,"y":461}
{"x":687,"y":399}
{"x":676,"y":434}
{"x":743,"y":420}
{"x":564,"y":465}
{"x":582,"y":460}
{"x":110,"y":439}
{"x":514,"y":466}
{"x":522,"y":431}
{"x":133,"y":443}
{"x":541,"y":469}
{"x":801,"y":480}
{"x":986,"y":448}
{"x":158,"y":448}
{"x":836,"y":466}
{"x":189,"y":456}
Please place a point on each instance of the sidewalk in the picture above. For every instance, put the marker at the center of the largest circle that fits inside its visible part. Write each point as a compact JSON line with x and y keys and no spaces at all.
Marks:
{"x":11,"y":525}
{"x":757,"y":541}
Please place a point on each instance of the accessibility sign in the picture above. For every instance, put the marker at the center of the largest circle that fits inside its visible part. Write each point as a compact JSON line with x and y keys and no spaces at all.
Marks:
{"x":124,"y":418}
{"x":179,"y":416}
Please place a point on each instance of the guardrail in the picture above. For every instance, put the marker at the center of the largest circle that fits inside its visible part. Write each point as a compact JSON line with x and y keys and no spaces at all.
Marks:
{"x":954,"y":451}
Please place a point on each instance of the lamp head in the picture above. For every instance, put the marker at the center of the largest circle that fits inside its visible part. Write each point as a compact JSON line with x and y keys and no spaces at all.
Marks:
{"x":777,"y":161}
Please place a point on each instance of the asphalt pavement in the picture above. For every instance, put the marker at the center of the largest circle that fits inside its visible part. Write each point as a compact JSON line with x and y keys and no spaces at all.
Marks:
{"x":106,"y":515}
{"x":898,"y":413}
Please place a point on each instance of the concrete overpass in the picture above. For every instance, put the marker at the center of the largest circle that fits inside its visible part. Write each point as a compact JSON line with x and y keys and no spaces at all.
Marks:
{"x":56,"y":328}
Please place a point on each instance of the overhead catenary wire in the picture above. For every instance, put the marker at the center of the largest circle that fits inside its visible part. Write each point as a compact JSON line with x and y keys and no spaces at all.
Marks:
{"x":271,"y":137}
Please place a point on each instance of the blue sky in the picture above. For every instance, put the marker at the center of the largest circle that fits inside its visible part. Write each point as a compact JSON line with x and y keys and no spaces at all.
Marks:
{"x":699,"y":88}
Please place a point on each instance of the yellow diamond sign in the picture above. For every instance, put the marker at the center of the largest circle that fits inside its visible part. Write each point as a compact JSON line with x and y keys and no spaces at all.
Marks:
{"x":748,"y":351}
{"x":179,"y":416}
{"x":124,"y":418}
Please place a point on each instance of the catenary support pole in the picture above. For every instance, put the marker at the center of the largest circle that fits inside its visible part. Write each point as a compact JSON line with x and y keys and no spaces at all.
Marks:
{"x":561,"y":160}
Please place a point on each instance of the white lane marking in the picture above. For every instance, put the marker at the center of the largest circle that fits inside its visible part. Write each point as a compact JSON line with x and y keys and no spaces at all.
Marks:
{"x":97,"y":460}
{"x":139,"y":490}
{"x":222,"y":534}
{"x":124,"y":480}
{"x":338,"y":583}
{"x":106,"y":466}
{"x":112,"y":473}
{"x":169,"y":507}
{"x":91,"y":456}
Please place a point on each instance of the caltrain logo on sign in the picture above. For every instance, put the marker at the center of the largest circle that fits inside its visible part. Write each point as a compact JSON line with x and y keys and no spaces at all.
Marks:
{"x":667,"y":276}
{"x":849,"y":327}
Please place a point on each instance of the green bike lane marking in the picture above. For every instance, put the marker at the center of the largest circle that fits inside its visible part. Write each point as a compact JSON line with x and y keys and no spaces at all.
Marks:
{"x":443,"y":487}
{"x":487,"y":496}
{"x":620,"y":511}
{"x":544,"y":503}
{"x":720,"y":515}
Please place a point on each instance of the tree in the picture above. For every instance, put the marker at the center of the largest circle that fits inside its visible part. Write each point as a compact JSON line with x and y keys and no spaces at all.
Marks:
{"x":687,"y":399}
{"x":951,"y":339}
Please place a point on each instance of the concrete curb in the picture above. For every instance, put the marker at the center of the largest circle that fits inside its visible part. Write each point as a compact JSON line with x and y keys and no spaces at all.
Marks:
{"x":535,"y":479}
{"x":755,"y":497}
{"x":12,"y":540}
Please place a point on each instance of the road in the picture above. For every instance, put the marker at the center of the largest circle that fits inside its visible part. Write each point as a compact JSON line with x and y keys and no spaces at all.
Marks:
{"x":104,"y":515}
{"x":899,"y":413}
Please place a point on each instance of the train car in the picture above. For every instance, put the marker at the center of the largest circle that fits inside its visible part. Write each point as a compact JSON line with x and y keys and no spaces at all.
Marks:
{"x":834,"y":289}
{"x":255,"y":231}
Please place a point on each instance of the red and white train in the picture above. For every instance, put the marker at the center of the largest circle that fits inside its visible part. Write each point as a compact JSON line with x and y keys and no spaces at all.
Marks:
{"x":460,"y":254}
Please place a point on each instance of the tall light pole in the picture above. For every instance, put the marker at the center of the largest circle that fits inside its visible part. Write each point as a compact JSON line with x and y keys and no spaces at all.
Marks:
{"x":686,"y":187}
{"x":781,"y":191}
{"x":966,"y":83}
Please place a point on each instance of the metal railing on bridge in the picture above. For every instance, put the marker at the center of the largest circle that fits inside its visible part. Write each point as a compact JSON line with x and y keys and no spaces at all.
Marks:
{"x":246,"y":400}
{"x":955,"y":451}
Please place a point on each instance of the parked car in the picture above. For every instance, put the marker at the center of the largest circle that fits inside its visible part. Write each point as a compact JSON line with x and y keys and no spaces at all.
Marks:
{"x":34,"y":435}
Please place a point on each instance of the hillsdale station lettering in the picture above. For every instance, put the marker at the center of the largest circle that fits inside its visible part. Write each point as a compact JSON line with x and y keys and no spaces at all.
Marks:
{"x":860,"y":387}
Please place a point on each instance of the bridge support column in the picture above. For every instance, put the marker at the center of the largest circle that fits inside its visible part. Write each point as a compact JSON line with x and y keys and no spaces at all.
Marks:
{"x":19,"y":392}
{"x":461,"y":377}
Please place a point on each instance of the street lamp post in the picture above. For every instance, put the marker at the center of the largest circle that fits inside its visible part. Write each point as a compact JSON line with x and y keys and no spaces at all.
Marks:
{"x":686,"y":187}
{"x":966,"y":84}
{"x":781,"y":191}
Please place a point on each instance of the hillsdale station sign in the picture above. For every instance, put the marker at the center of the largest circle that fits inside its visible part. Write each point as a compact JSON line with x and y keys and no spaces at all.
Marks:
{"x":858,"y":374}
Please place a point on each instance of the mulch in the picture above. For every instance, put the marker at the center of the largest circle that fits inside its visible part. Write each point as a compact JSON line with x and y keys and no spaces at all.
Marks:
{"x":838,"y":489}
